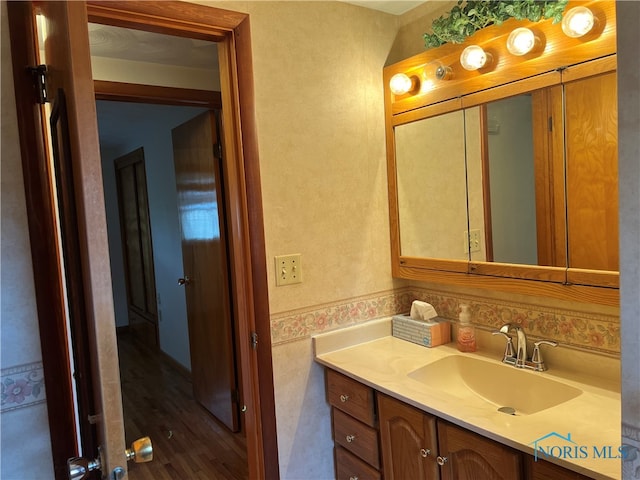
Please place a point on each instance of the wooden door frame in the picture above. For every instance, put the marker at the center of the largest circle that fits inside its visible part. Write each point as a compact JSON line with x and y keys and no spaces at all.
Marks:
{"x":242,"y":177}
{"x":246,"y":231}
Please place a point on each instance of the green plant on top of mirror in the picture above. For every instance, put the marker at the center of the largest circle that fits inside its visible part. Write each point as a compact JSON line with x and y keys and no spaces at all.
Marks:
{"x":463,"y":21}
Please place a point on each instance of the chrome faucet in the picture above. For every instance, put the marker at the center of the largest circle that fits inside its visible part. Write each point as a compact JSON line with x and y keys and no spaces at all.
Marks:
{"x":521,"y":346}
{"x":519,"y":359}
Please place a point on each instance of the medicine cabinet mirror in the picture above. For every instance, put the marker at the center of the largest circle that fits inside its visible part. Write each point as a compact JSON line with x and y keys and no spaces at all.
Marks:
{"x":513,"y":175}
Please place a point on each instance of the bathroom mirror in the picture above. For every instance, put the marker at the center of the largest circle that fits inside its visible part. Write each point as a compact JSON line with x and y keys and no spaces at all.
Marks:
{"x":517,"y":223}
{"x":540,"y":167}
{"x":432,"y":193}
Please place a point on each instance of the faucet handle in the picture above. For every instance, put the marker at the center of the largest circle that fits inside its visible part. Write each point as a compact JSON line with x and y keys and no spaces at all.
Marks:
{"x":509,"y":353}
{"x":536,"y":357}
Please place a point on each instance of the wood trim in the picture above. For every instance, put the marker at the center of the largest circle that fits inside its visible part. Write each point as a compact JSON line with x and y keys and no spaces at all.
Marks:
{"x":486,"y":184}
{"x":573,"y":293}
{"x":589,"y":69}
{"x":426,"y":112}
{"x":258,"y":263}
{"x":43,"y":238}
{"x":133,"y":92}
{"x":514,"y":88}
{"x":242,"y":176}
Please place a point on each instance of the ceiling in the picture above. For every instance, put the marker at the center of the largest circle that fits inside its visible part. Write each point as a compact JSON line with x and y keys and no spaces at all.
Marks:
{"x":395,"y":7}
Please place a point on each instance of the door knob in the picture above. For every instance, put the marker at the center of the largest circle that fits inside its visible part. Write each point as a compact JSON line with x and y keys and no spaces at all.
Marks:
{"x":184,"y":281}
{"x":141,"y":451}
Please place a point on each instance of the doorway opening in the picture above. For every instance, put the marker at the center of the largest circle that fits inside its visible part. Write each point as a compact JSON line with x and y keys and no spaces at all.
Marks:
{"x":166,"y":216}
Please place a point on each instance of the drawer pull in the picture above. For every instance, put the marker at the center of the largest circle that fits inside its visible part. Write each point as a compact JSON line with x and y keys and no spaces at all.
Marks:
{"x":442,"y":460}
{"x":353,"y":477}
{"x":351,"y":438}
{"x":344,"y":398}
{"x":425,"y":452}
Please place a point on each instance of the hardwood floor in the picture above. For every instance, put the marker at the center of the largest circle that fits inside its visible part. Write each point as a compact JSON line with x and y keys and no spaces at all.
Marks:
{"x":188,"y":443}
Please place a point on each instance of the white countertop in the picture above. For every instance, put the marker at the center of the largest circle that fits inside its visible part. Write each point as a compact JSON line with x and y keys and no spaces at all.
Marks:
{"x":368,"y":353}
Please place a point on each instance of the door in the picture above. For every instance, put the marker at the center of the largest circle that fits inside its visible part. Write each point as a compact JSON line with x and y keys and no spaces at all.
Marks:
{"x":137,"y":246}
{"x":85,"y":262}
{"x":206,"y":271}
{"x":468,"y":456}
{"x":408,"y":441}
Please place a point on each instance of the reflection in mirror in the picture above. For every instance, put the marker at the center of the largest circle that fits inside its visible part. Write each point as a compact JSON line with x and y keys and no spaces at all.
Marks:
{"x":432,"y":197}
{"x":511,"y":180}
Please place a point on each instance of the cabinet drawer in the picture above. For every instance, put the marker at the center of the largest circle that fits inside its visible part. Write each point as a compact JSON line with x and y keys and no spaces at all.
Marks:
{"x":349,"y":467}
{"x":356,"y":437}
{"x":351,"y":397}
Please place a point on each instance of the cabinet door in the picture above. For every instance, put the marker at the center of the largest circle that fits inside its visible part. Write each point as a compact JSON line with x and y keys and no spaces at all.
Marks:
{"x":470,"y":456}
{"x":409,"y":441}
{"x":542,"y":470}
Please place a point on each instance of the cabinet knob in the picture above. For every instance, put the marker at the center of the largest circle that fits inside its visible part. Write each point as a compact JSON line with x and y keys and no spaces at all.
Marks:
{"x":344,"y":398}
{"x":351,"y":438}
{"x":441,"y":460}
{"x":425,"y":452}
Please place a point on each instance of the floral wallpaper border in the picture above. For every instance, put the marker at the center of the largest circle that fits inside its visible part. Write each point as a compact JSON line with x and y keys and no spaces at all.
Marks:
{"x":585,"y":330}
{"x":22,"y":386}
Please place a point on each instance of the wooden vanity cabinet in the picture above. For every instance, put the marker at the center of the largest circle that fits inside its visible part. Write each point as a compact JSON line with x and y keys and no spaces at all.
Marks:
{"x":354,"y":428}
{"x":377,"y":436}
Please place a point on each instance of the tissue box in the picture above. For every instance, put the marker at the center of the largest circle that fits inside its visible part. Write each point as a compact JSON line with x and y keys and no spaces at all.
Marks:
{"x":431,"y":333}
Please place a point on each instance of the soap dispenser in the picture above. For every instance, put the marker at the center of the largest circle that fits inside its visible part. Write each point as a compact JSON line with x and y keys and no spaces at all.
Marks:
{"x":466,"y":331}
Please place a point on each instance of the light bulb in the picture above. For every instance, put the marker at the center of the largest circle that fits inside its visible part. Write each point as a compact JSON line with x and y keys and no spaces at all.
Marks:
{"x":436,"y":71}
{"x":473,"y":57}
{"x":578,"y":22}
{"x":521,"y":41}
{"x":400,"y":84}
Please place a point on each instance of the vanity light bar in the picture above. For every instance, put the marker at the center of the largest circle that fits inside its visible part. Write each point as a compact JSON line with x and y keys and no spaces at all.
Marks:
{"x":576,"y":23}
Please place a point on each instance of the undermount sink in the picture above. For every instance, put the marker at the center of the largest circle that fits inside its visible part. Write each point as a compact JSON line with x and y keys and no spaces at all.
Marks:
{"x":499,"y":384}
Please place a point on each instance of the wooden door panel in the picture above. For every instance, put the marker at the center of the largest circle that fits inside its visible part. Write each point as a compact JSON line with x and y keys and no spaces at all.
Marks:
{"x":204,"y":252}
{"x":473,"y":457}
{"x":69,"y":71}
{"x":408,"y":441}
{"x":592,"y":172}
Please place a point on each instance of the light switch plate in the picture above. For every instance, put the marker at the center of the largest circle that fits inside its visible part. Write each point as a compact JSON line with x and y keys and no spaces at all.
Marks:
{"x":288,"y":269}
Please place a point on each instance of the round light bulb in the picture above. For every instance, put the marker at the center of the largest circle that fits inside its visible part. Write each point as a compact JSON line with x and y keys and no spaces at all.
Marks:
{"x":473,"y":57}
{"x":521,"y":41}
{"x":400,"y":84}
{"x":578,"y":22}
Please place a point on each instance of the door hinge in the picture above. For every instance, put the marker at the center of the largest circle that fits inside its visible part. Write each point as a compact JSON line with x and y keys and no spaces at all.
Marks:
{"x":39,"y":75}
{"x":235,"y":396}
{"x":254,"y":340}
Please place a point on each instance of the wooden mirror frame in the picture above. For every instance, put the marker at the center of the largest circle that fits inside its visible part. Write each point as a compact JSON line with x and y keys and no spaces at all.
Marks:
{"x":508,"y":75}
